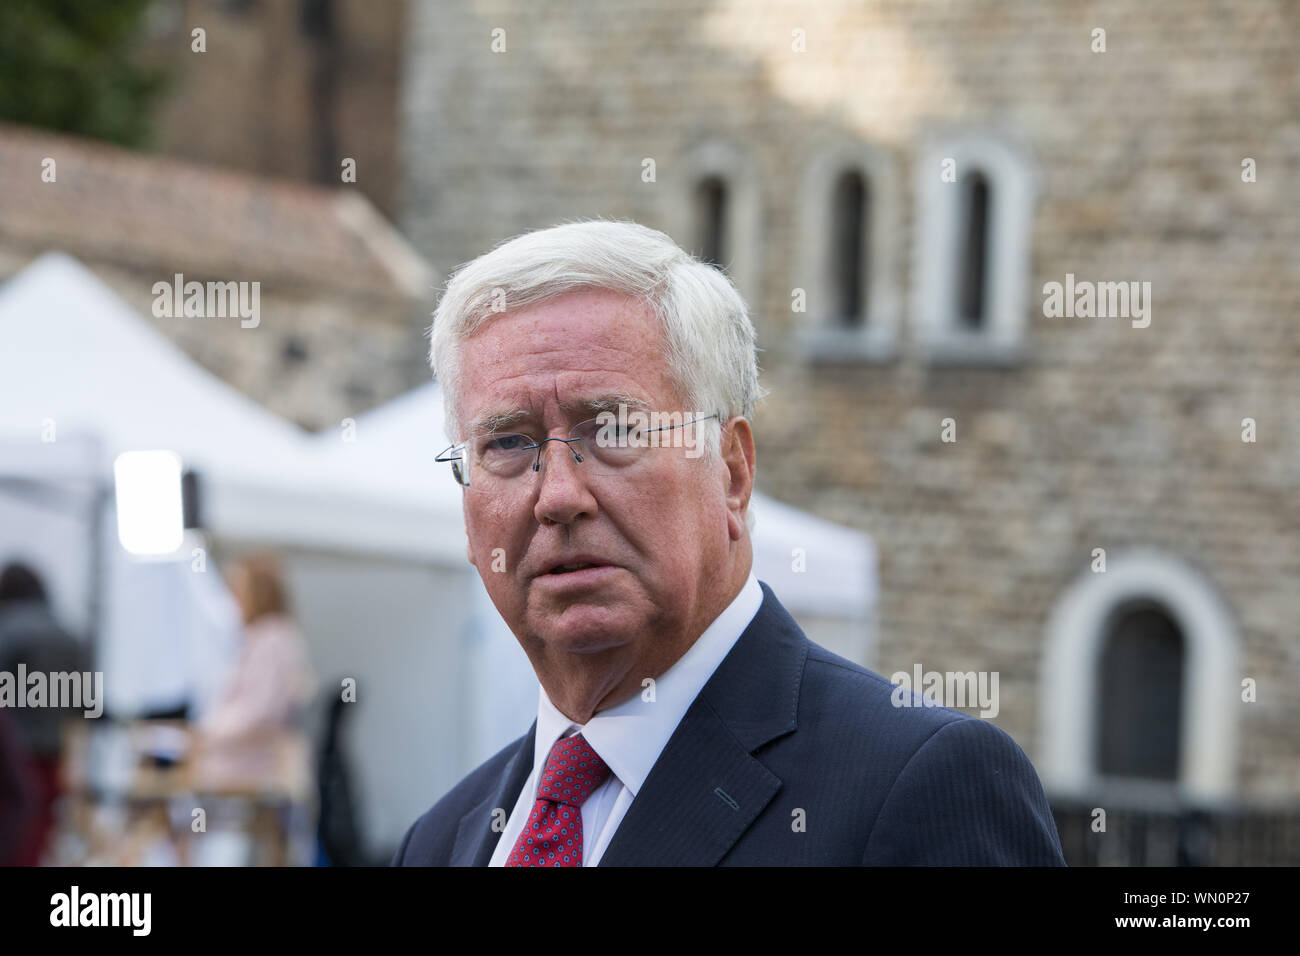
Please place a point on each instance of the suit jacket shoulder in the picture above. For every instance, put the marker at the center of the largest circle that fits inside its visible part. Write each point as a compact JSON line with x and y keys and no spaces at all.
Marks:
{"x":939,"y":786}
{"x":792,"y":755}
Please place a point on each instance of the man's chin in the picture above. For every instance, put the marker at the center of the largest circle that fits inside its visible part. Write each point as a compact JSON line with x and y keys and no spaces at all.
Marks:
{"x":586,"y":628}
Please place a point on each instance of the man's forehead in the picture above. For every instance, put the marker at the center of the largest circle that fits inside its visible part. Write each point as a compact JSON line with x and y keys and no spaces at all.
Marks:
{"x":592,"y":312}
{"x":579,"y":353}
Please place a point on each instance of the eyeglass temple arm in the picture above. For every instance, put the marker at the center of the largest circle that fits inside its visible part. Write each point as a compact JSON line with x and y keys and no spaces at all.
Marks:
{"x":684,"y":424}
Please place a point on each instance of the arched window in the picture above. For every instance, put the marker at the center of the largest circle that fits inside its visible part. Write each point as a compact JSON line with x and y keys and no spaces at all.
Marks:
{"x":972,"y":249}
{"x":1139,"y":684}
{"x":1140,"y":695}
{"x":715,"y":214}
{"x":846,"y":268}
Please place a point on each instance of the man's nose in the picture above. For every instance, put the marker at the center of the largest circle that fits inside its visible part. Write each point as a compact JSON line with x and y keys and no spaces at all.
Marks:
{"x":562,"y":493}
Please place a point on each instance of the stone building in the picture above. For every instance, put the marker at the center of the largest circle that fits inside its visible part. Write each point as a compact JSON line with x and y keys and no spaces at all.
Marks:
{"x":894,"y":185}
{"x":281,"y":88}
{"x":342,"y":301}
{"x":1025,"y":277}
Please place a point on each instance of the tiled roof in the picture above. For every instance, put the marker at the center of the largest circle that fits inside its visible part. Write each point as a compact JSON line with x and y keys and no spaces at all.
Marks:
{"x":165,"y":215}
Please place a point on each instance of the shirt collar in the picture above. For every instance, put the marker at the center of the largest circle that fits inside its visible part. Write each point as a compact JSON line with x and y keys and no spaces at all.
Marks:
{"x":630,"y":736}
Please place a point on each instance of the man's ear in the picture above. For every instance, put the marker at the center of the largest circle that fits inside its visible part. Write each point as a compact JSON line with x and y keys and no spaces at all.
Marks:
{"x":738,"y":456}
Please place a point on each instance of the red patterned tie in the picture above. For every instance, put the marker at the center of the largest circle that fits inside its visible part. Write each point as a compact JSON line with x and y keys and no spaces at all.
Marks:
{"x":553,"y":834}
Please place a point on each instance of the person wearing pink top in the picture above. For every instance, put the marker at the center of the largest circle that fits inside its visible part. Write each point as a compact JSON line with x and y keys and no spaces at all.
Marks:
{"x":253,"y":736}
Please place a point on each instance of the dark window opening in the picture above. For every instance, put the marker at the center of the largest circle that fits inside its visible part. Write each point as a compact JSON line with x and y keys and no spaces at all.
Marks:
{"x":318,"y":23}
{"x":850,"y":247}
{"x":711,"y":220}
{"x":972,"y":292}
{"x":1140,"y":695}
{"x":316,"y":18}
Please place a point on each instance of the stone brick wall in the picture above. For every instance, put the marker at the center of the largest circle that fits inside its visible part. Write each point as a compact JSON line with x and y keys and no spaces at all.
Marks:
{"x":276,"y":96}
{"x":343,"y":300}
{"x":315,"y":357}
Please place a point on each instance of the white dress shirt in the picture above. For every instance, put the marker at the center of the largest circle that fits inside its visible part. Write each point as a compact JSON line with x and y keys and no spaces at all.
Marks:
{"x":630,"y":736}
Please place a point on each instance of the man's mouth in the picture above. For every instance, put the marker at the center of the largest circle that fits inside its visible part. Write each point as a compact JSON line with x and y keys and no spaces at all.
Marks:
{"x":570,"y":568}
{"x":580,"y":572}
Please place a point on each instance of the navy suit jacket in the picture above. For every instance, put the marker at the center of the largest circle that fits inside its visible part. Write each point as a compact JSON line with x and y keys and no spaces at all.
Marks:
{"x":790,"y":755}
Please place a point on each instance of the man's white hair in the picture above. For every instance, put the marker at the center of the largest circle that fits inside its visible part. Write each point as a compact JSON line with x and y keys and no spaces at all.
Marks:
{"x":709,"y":340}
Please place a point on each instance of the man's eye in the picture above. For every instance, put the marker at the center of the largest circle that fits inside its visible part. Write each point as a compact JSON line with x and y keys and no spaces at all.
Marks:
{"x":507,"y":443}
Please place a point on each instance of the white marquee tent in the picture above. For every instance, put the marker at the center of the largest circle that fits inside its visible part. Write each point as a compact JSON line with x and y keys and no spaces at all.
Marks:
{"x":83,"y":378}
{"x":75,"y":355}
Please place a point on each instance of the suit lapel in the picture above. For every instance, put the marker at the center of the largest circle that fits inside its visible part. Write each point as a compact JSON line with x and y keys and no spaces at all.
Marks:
{"x":475,"y":838}
{"x":707,"y":788}
{"x":703,"y":793}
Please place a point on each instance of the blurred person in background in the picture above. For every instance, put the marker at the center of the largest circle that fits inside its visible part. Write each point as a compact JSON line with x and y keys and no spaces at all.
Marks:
{"x":254,"y":733}
{"x":17,"y":793}
{"x":30,"y":636}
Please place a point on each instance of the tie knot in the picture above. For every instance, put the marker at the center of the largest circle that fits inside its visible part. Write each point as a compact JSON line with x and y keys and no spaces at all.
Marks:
{"x":573,"y":770}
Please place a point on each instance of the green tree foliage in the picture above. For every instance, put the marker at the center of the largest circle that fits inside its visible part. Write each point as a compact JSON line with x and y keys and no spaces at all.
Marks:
{"x":68,"y":65}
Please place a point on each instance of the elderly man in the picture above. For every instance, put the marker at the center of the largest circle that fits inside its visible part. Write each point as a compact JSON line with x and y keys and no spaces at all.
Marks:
{"x":602,"y":384}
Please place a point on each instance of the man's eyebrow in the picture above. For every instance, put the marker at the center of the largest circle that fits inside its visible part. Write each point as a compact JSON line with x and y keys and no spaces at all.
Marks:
{"x":492,"y":421}
{"x":604,"y":403}
{"x":495,"y":420}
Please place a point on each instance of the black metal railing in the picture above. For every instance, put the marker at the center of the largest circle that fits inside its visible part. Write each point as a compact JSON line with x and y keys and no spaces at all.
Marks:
{"x":1182,"y":836}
